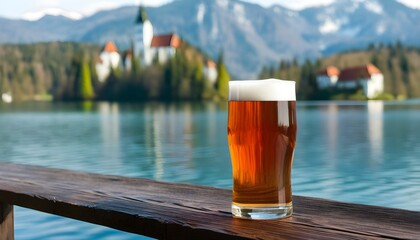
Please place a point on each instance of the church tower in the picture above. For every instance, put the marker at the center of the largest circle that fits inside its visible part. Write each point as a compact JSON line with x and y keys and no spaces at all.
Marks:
{"x":143,"y":36}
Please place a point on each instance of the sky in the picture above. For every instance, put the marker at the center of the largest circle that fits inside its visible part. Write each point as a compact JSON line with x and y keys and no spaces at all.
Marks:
{"x":26,"y":8}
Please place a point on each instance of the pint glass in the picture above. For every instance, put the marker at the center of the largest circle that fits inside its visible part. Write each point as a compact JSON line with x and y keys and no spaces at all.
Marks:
{"x":262,"y":137}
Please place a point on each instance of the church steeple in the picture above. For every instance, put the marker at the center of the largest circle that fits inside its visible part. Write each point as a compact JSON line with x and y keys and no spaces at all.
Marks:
{"x":141,"y":15}
{"x":143,"y":36}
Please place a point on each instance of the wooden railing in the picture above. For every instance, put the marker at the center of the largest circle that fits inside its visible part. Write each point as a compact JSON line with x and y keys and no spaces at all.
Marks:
{"x":180,"y":211}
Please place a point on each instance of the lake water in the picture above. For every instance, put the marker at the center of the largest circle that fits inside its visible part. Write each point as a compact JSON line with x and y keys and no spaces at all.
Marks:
{"x":361,"y":152}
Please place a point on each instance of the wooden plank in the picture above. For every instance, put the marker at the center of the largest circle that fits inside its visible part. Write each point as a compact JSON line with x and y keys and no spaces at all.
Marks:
{"x":6,"y":222}
{"x":180,"y":211}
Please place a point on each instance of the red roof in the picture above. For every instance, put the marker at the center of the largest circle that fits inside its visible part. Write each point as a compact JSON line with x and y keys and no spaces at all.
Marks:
{"x":359,"y":72}
{"x":330,"y":71}
{"x":109,"y":47}
{"x":168,"y":40}
{"x":211,"y":64}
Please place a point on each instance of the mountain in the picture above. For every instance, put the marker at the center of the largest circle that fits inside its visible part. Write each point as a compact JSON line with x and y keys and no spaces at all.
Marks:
{"x":33,"y":16}
{"x":250,"y":35}
{"x":348,"y":24}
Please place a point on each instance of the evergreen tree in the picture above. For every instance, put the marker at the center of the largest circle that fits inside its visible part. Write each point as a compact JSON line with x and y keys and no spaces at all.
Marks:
{"x":405,"y":73}
{"x":375,"y":59}
{"x":165,"y":88}
{"x":308,"y":85}
{"x":392,"y":76}
{"x":135,"y":61}
{"x":295,"y":71}
{"x":72,"y":86}
{"x":264,"y":73}
{"x":2,"y":81}
{"x":222,"y":81}
{"x":86,"y":89}
{"x":271,"y":72}
{"x":404,"y":64}
{"x":198,"y":81}
{"x":135,"y":65}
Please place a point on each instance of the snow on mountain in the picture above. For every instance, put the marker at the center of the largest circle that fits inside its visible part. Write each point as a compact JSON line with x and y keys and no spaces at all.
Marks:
{"x":380,"y":28}
{"x":223,"y":3}
{"x":281,"y":10}
{"x":201,"y":12}
{"x":329,"y":26}
{"x":34,"y":16}
{"x":239,"y":12}
{"x":374,"y":7}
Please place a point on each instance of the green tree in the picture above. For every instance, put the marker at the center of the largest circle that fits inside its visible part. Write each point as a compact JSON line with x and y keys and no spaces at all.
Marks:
{"x":86,"y":89}
{"x":371,"y":47}
{"x":404,"y":64}
{"x":135,"y":65}
{"x":405,"y":73}
{"x":308,"y":85}
{"x":223,"y":78}
{"x":375,"y":59}
{"x":271,"y":72}
{"x":198,"y":83}
{"x":264,"y":73}
{"x":166,"y":87}
{"x":135,"y":61}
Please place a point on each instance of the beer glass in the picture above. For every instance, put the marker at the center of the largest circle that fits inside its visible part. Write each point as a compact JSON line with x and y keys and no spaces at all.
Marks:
{"x":262,"y":137}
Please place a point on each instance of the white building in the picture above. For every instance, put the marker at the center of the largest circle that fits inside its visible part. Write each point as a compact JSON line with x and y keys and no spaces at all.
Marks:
{"x":7,"y":97}
{"x":210,"y":71}
{"x":328,"y":77}
{"x":368,"y":77}
{"x":148,"y":46}
{"x":143,"y":37}
{"x":108,"y":58}
{"x":164,"y":47}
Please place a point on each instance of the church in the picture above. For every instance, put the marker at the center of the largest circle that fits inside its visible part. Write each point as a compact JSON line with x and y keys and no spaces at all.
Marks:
{"x":146,"y":46}
{"x":151,"y":46}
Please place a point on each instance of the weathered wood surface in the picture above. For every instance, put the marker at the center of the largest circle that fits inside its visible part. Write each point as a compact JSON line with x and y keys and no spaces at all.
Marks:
{"x":6,"y":222}
{"x":177,"y":211}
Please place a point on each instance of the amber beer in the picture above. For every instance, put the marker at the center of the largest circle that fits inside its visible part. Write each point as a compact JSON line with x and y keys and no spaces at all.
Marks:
{"x":262,"y":138}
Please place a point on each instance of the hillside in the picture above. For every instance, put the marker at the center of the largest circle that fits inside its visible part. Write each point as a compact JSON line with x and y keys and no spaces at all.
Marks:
{"x":34,"y":71}
{"x":250,"y":35}
{"x":400,"y":66}
{"x":29,"y":71}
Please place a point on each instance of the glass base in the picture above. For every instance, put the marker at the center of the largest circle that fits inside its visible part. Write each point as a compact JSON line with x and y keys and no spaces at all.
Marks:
{"x":265,"y":212}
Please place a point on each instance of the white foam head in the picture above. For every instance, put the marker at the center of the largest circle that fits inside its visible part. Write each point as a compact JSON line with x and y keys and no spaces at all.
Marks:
{"x":262,"y":90}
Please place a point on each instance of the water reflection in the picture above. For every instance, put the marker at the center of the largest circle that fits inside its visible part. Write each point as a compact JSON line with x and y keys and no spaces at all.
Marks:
{"x":110,"y":131}
{"x":331,"y":124}
{"x":211,"y":117}
{"x":168,"y":132}
{"x":375,"y":130}
{"x":158,"y":117}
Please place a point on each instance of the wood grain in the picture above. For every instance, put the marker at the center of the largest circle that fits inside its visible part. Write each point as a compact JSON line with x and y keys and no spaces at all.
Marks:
{"x":181,"y":211}
{"x":6,"y":222}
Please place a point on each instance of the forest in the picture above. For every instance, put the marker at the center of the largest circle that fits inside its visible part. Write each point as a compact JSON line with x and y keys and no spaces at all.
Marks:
{"x":36,"y":71}
{"x":399,"y":64}
{"x":65,"y":71}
